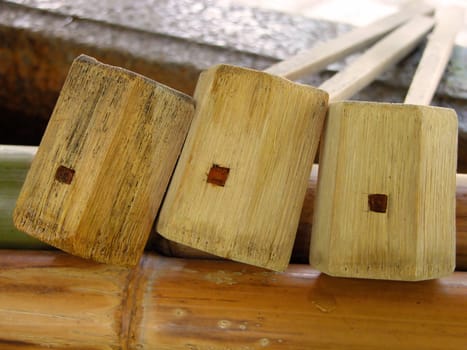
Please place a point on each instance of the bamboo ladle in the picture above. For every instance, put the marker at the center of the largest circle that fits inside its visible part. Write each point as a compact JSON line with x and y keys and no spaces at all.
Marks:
{"x":385,"y":204}
{"x":241,"y":179}
{"x":109,"y":150}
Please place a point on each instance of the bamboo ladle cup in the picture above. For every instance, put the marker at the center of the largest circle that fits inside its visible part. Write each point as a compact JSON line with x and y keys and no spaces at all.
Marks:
{"x":104,"y":163}
{"x":385,"y":205}
{"x":240,"y":182}
{"x":111,"y":145}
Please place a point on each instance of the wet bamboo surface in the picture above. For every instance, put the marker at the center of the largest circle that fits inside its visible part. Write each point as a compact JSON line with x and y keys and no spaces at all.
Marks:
{"x":50,"y":299}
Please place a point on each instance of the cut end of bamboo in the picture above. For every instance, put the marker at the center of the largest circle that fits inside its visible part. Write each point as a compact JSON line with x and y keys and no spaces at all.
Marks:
{"x":97,"y":181}
{"x":385,"y":206}
{"x":241,"y":179}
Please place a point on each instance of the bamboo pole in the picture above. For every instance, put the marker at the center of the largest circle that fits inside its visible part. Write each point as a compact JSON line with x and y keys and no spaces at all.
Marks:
{"x":301,"y":248}
{"x":15,"y":161}
{"x":385,"y":206}
{"x":54,"y":300}
{"x":14,"y":164}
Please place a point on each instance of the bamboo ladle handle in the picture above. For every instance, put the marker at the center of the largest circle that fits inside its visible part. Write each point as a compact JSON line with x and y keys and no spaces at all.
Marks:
{"x":436,"y":55}
{"x":377,"y":59}
{"x":325,"y":53}
{"x":49,"y":300}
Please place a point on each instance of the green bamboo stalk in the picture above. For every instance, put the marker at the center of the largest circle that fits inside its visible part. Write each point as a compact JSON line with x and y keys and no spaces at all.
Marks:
{"x":14,"y":164}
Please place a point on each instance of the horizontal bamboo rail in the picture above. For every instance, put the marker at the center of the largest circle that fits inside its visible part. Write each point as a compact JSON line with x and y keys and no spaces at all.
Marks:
{"x":58,"y":301}
{"x":14,"y":164}
{"x":15,"y":161}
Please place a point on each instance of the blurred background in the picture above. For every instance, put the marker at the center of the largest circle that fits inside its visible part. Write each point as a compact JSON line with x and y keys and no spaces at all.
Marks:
{"x":356,"y":12}
{"x":172,"y":41}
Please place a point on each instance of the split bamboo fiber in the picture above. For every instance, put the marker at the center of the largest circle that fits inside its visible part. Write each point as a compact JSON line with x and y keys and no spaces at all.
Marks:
{"x":97,"y":181}
{"x":105,"y":160}
{"x":241,"y":179}
{"x":385,"y":206}
{"x":52,"y":300}
{"x":15,"y":162}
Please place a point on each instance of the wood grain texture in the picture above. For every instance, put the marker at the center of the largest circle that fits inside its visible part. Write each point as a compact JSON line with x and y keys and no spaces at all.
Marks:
{"x":60,"y":302}
{"x":97,"y":181}
{"x":57,"y":301}
{"x":322,"y":54}
{"x":265,"y":130}
{"x":405,"y":152}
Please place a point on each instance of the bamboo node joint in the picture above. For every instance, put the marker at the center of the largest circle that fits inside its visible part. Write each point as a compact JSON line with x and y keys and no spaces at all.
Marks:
{"x":64,"y":174}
